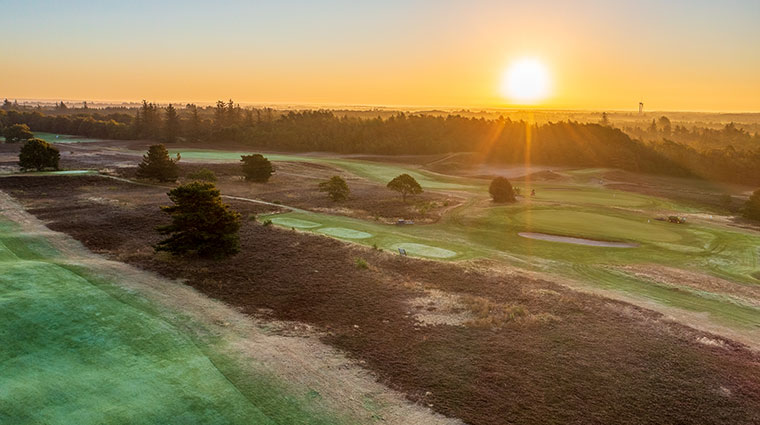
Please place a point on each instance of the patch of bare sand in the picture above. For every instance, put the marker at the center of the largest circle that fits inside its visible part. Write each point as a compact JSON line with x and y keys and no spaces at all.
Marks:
{"x":440,"y":308}
{"x":304,"y":363}
{"x":749,"y":294}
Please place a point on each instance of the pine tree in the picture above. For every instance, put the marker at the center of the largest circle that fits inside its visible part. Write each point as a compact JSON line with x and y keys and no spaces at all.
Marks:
{"x":157,"y":164}
{"x":201,"y":223}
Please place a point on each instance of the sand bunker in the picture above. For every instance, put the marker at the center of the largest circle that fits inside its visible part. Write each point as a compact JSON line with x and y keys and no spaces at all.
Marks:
{"x":424,"y":250}
{"x":294,"y":222}
{"x":342,"y":232}
{"x":577,"y":241}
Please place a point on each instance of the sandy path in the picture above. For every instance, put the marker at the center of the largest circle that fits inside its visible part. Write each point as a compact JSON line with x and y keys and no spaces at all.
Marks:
{"x":302,"y":361}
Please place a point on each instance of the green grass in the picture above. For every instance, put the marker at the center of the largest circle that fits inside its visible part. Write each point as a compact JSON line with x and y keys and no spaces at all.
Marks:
{"x":62,"y":138}
{"x":576,"y":207}
{"x":378,"y":172}
{"x":77,"y":349}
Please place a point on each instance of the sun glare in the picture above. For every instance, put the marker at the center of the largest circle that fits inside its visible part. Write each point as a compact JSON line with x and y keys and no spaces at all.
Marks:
{"x":526,"y":81}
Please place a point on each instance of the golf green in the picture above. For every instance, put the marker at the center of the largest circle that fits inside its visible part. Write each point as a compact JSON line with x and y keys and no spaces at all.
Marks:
{"x":342,"y":232}
{"x":424,"y":250}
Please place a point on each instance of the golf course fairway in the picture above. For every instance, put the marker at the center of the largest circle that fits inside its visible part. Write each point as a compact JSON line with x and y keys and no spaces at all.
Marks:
{"x":80,"y":349}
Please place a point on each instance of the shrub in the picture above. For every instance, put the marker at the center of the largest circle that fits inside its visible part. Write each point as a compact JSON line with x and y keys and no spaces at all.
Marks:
{"x":752,"y":207}
{"x":406,"y":185}
{"x":256,"y":168}
{"x":201,"y":223}
{"x":17,"y":133}
{"x":38,"y":154}
{"x":361,"y":263}
{"x":501,"y":190}
{"x":336,"y":188}
{"x":204,"y":175}
{"x":157,"y":164}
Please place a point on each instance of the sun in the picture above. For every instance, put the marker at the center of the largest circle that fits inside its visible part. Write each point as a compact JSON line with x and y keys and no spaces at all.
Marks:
{"x":526,"y":81}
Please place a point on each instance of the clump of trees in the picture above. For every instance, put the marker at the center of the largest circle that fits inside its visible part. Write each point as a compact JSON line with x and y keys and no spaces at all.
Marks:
{"x":201,"y":224}
{"x":38,"y":154}
{"x":501,"y":190}
{"x":17,"y":133}
{"x":405,"y":185}
{"x":256,"y":168}
{"x":728,"y":154}
{"x":157,"y":164}
{"x":336,"y":188}
{"x":752,"y":207}
{"x":204,"y":174}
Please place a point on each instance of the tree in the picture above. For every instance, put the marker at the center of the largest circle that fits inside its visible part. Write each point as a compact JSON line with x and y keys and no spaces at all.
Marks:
{"x":501,"y":190}
{"x":157,"y":164}
{"x":38,"y":154}
{"x":752,"y":207}
{"x":171,"y":124}
{"x":17,"y":133}
{"x":406,"y":185}
{"x":201,"y":224}
{"x":605,"y":119}
{"x":664,"y":125}
{"x":256,"y":168}
{"x":336,"y":188}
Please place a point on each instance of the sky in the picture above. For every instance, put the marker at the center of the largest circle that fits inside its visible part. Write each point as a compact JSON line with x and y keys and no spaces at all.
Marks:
{"x":684,"y":55}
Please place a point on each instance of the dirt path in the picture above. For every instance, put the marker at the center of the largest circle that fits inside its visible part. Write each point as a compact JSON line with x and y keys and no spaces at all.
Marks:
{"x":301,"y":360}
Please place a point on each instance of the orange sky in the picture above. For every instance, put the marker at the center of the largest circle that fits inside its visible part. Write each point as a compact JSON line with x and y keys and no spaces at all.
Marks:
{"x":693,"y":55}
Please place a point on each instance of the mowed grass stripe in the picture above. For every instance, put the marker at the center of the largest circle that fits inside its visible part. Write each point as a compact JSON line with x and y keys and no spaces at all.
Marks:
{"x":75,"y":354}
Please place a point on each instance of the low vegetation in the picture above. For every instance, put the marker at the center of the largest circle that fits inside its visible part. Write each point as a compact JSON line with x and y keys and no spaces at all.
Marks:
{"x":157,"y":165}
{"x":336,"y":188}
{"x":204,"y":175}
{"x":201,"y":224}
{"x":256,"y":168}
{"x":37,"y":154}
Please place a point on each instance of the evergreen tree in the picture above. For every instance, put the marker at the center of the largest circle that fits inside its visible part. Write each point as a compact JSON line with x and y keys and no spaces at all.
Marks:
{"x":171,"y":124}
{"x":157,"y":164}
{"x":201,"y":223}
{"x":501,"y":190}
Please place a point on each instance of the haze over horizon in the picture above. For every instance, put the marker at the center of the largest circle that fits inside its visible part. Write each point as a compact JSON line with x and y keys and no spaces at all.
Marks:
{"x":423,"y":53}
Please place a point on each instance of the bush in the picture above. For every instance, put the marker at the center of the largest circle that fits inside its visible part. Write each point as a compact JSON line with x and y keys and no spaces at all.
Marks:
{"x":256,"y":168}
{"x":406,"y":185}
{"x":501,"y":190}
{"x":336,"y":188}
{"x":752,"y":207}
{"x":38,"y":154}
{"x":201,"y":223}
{"x":361,"y":263}
{"x":157,"y":164}
{"x":17,"y":133}
{"x":204,"y":175}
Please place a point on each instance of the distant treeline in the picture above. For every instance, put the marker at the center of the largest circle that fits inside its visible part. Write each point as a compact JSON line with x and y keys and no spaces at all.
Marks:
{"x":497,"y":140}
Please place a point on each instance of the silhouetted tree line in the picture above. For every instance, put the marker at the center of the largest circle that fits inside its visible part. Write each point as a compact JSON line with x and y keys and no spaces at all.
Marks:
{"x":501,"y":140}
